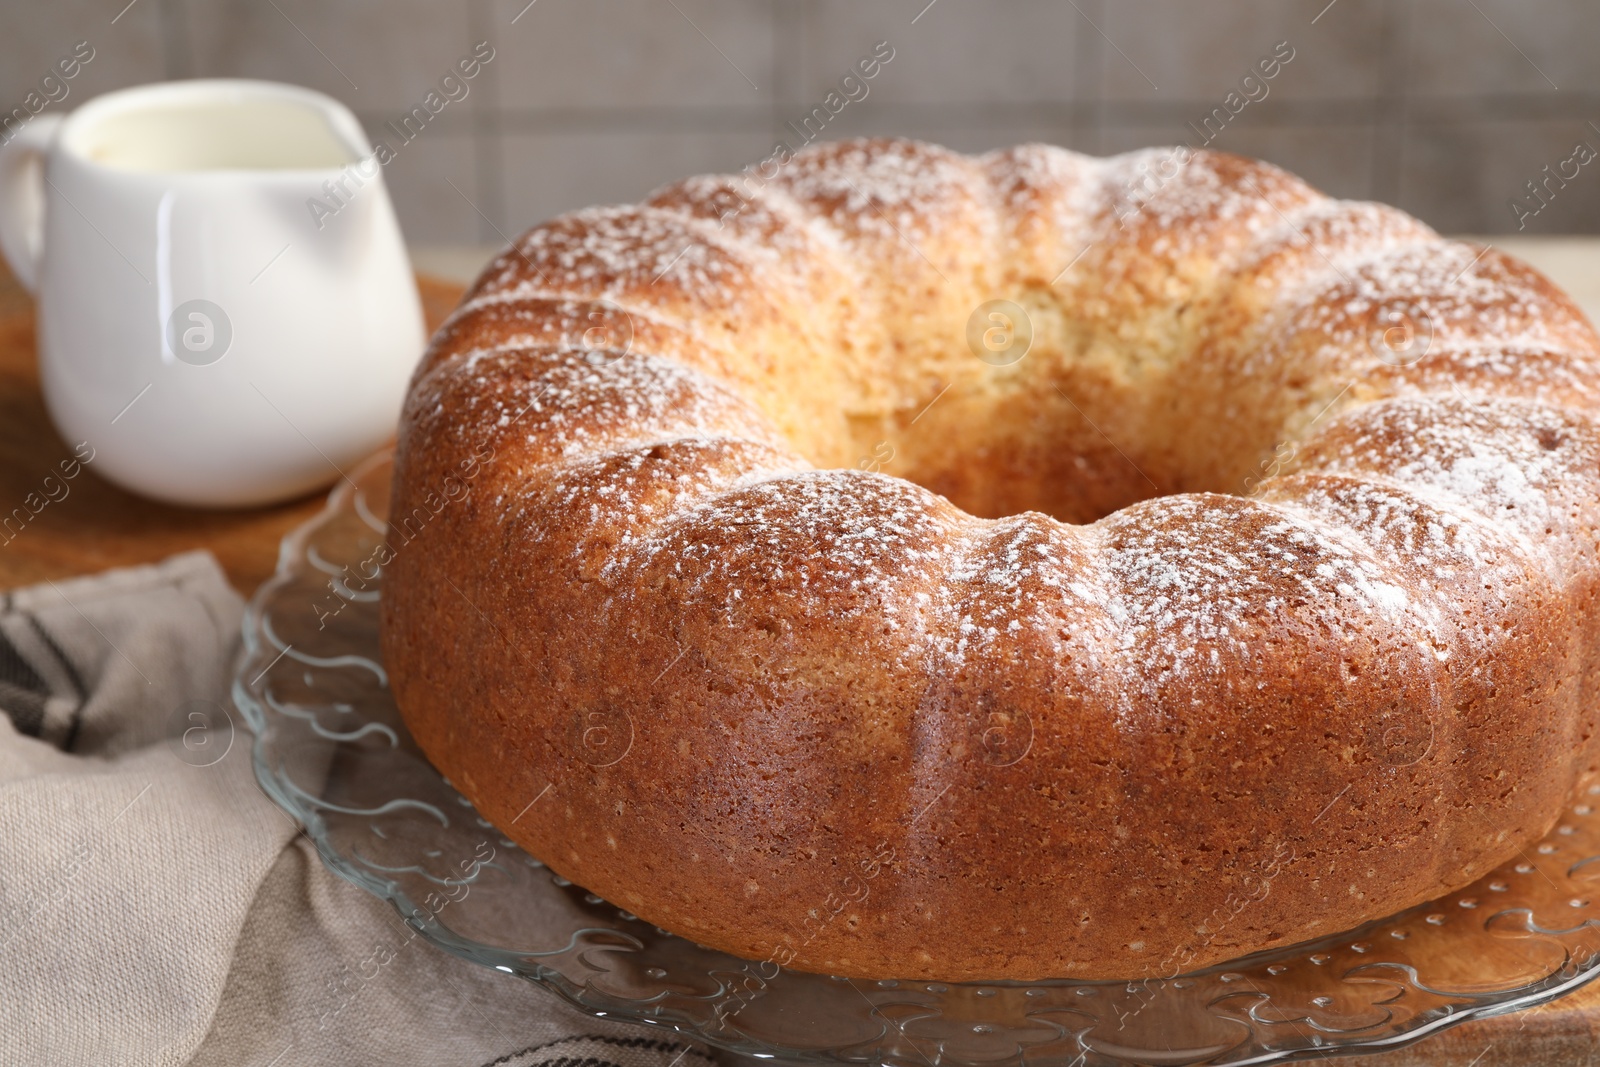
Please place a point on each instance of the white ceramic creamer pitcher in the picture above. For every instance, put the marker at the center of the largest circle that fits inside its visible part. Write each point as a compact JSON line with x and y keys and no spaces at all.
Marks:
{"x":226,"y":311}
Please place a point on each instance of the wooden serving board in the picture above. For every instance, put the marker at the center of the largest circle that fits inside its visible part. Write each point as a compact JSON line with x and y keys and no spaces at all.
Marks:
{"x":96,"y":526}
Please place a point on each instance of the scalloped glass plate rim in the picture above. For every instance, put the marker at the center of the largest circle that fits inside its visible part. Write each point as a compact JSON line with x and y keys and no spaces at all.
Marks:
{"x":257,"y":633}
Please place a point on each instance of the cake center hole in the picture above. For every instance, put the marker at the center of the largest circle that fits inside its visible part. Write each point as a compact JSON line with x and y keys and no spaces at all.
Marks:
{"x":1033,"y":451}
{"x":1025,"y":414}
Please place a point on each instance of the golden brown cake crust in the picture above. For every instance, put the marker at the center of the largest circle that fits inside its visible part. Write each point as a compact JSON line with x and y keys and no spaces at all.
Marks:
{"x":1311,"y":636}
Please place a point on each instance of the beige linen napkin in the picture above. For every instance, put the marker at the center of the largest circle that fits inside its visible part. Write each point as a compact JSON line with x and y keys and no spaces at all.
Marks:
{"x":157,"y":909}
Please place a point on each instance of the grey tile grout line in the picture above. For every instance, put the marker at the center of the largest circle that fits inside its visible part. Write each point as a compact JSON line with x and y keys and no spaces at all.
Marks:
{"x":1390,"y":122}
{"x":1081,"y":123}
{"x":713,"y":44}
{"x":1496,"y":27}
{"x":800,"y":88}
{"x":1307,"y":112}
{"x":505,"y":241}
{"x":1086,"y":128}
{"x":1405,"y":46}
{"x":177,"y":40}
{"x":488,"y":138}
{"x":1081,"y":120}
{"x":790,"y":22}
{"x":1115,"y":47}
{"x":274,"y":5}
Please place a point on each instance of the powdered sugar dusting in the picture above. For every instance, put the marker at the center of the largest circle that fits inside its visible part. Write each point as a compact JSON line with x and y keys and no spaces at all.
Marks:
{"x":885,"y":187}
{"x":625,"y":255}
{"x":1390,"y":507}
{"x":1199,"y":577}
{"x":845,"y":543}
{"x":1516,"y":464}
{"x":1174,"y":206}
{"x":1390,"y":642}
{"x":556,"y":405}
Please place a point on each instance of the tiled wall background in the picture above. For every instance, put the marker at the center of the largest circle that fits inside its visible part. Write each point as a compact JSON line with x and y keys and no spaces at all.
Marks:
{"x":1445,"y":107}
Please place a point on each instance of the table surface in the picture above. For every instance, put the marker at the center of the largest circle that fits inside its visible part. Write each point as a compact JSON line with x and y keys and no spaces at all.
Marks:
{"x":97,"y":526}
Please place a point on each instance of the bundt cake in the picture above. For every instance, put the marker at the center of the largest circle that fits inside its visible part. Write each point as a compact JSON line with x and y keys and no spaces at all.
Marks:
{"x":895,"y":563}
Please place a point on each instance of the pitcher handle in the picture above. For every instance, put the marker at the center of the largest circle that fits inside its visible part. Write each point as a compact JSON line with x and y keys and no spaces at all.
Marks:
{"x":22,"y":197}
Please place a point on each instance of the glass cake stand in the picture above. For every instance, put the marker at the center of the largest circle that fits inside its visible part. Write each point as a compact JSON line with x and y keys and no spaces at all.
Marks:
{"x":332,"y":750}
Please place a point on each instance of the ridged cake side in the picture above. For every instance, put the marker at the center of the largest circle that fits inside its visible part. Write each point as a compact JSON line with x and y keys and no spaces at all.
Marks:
{"x":1323,"y":647}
